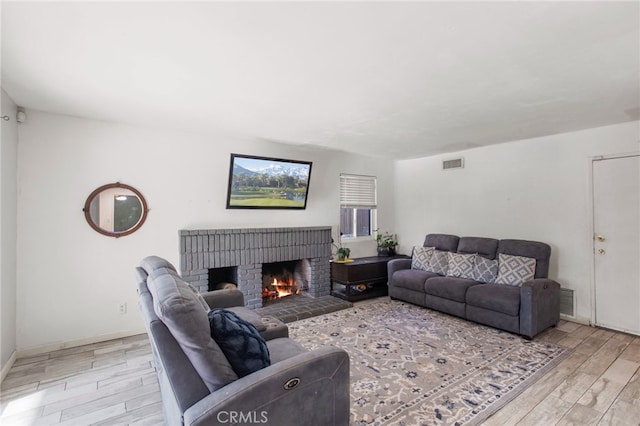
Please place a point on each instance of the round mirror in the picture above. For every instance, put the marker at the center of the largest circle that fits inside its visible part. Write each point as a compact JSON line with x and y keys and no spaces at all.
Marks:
{"x":115,"y":209}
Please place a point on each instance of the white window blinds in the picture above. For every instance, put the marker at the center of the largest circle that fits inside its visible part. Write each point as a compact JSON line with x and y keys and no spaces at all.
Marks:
{"x":358,"y":192}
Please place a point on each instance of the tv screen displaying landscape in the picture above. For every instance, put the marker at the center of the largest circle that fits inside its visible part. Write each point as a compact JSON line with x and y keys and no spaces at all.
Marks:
{"x":267,"y":183}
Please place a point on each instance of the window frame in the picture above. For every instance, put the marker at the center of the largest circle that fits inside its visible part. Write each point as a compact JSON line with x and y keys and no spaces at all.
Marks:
{"x":361,"y":199}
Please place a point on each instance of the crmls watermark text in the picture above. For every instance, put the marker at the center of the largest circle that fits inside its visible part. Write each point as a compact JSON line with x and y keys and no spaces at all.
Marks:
{"x":250,"y":417}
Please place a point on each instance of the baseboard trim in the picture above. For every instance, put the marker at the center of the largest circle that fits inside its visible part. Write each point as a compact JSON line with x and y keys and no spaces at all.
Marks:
{"x":8,"y":365}
{"x":582,"y":321}
{"x":39,"y":350}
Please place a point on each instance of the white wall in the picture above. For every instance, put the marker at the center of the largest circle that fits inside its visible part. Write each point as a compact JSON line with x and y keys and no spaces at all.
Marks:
{"x":8,"y":211}
{"x":71,"y":278}
{"x":535,"y":189}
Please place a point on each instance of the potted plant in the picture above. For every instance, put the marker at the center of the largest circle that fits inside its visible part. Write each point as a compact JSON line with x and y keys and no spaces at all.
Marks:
{"x":342,"y":253}
{"x":386,"y":244}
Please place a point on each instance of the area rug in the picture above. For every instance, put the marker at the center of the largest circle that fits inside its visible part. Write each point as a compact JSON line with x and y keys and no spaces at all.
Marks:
{"x":415,"y":366}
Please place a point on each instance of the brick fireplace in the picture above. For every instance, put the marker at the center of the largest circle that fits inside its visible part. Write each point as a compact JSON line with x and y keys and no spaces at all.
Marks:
{"x":239,"y":254}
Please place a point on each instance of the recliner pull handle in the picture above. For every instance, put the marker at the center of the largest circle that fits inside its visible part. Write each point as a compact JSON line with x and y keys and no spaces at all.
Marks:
{"x":291,"y":383}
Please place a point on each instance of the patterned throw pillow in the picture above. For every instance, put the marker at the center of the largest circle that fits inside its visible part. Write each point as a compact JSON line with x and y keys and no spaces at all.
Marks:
{"x":439,"y":262}
{"x":240,"y":342}
{"x":460,"y":265}
{"x":420,"y":257}
{"x":485,"y":270}
{"x":515,"y":270}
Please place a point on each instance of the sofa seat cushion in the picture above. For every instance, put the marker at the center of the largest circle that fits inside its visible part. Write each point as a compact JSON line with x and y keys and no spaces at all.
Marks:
{"x":284,"y":348}
{"x":495,"y":297}
{"x":412,"y":279}
{"x":249,"y":316}
{"x":451,"y":288}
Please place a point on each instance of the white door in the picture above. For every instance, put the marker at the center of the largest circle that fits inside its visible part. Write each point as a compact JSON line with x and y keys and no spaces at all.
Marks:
{"x":616,"y":226}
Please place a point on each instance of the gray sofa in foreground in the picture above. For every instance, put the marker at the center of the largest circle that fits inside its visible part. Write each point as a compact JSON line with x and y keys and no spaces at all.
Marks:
{"x":198,"y":384}
{"x":504,"y":298}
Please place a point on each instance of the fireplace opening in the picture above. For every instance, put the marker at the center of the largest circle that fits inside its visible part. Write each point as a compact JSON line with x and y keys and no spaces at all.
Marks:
{"x":222,"y":278}
{"x":282,"y":279}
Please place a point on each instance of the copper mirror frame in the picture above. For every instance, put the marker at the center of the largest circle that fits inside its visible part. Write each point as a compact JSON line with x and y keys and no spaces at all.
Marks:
{"x":115,"y":210}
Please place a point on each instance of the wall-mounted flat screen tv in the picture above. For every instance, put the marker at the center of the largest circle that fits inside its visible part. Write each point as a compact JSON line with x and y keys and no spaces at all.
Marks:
{"x":267,"y":183}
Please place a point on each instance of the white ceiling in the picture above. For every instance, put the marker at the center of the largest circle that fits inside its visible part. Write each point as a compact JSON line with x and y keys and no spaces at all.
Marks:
{"x":394,"y":79}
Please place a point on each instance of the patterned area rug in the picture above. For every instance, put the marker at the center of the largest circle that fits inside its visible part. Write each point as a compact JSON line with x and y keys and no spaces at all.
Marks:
{"x":415,"y":366}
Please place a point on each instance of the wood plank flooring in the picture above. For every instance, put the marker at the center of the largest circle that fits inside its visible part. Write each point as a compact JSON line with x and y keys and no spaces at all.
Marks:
{"x":114,"y":383}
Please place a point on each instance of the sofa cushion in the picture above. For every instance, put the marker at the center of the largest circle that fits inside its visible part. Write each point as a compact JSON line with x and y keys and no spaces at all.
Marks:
{"x":485,"y":247}
{"x":515,"y":270}
{"x":485,"y":270}
{"x":444,"y":242}
{"x":249,"y":316}
{"x":151,"y":263}
{"x":178,"y":307}
{"x":451,"y":288}
{"x":240,"y":341}
{"x":284,"y":348}
{"x":460,"y":265}
{"x":412,"y":279}
{"x":420,"y":257}
{"x":163,"y":271}
{"x":495,"y":297}
{"x":439,"y":262}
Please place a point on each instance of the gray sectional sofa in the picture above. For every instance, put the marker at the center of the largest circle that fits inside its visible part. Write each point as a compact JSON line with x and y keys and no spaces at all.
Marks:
{"x":198,"y":383}
{"x":505,"y":287}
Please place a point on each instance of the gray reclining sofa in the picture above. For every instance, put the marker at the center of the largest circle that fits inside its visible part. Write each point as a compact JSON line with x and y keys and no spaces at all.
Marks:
{"x":197,"y":383}
{"x":526,"y":308}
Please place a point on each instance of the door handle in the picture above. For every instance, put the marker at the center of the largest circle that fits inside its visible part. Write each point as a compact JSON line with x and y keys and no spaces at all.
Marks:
{"x":600,"y":238}
{"x":601,"y":251}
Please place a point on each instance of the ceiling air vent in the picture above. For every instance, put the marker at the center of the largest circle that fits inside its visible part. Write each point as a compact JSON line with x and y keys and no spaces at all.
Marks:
{"x":456,"y":163}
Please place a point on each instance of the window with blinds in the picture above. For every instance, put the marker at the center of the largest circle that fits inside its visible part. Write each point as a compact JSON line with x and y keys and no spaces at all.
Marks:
{"x":358,"y":202}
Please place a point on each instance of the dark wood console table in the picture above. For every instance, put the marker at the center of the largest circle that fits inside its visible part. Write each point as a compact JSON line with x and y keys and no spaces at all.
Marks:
{"x":363,"y":278}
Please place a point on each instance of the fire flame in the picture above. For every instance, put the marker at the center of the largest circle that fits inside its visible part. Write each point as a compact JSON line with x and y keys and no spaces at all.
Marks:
{"x":279,"y":289}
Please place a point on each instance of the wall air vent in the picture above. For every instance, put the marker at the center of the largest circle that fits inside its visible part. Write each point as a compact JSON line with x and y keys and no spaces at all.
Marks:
{"x":456,"y":163}
{"x":567,"y":302}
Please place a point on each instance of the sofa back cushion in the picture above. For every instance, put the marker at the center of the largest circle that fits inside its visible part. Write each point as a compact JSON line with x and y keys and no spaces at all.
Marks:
{"x":485,"y":247}
{"x":541,"y":252}
{"x":178,"y":306}
{"x":151,"y":263}
{"x":443,"y":242}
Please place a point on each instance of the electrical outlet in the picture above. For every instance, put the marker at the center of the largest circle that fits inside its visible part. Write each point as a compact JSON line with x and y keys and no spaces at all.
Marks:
{"x":122,"y":308}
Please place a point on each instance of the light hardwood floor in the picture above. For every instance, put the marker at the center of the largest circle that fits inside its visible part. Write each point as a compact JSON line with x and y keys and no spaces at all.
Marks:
{"x":113,"y":383}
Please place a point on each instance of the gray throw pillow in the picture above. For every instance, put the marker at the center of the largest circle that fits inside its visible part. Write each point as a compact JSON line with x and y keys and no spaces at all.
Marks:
{"x":485,"y":270}
{"x":439,"y":262}
{"x":515,"y":270}
{"x":240,"y":341}
{"x":460,"y":265}
{"x":420,"y":257}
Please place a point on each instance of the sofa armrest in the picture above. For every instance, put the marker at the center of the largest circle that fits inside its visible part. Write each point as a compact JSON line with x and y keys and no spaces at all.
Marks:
{"x":224,"y":298}
{"x":397,"y":264}
{"x":539,"y":306}
{"x":320,"y":397}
